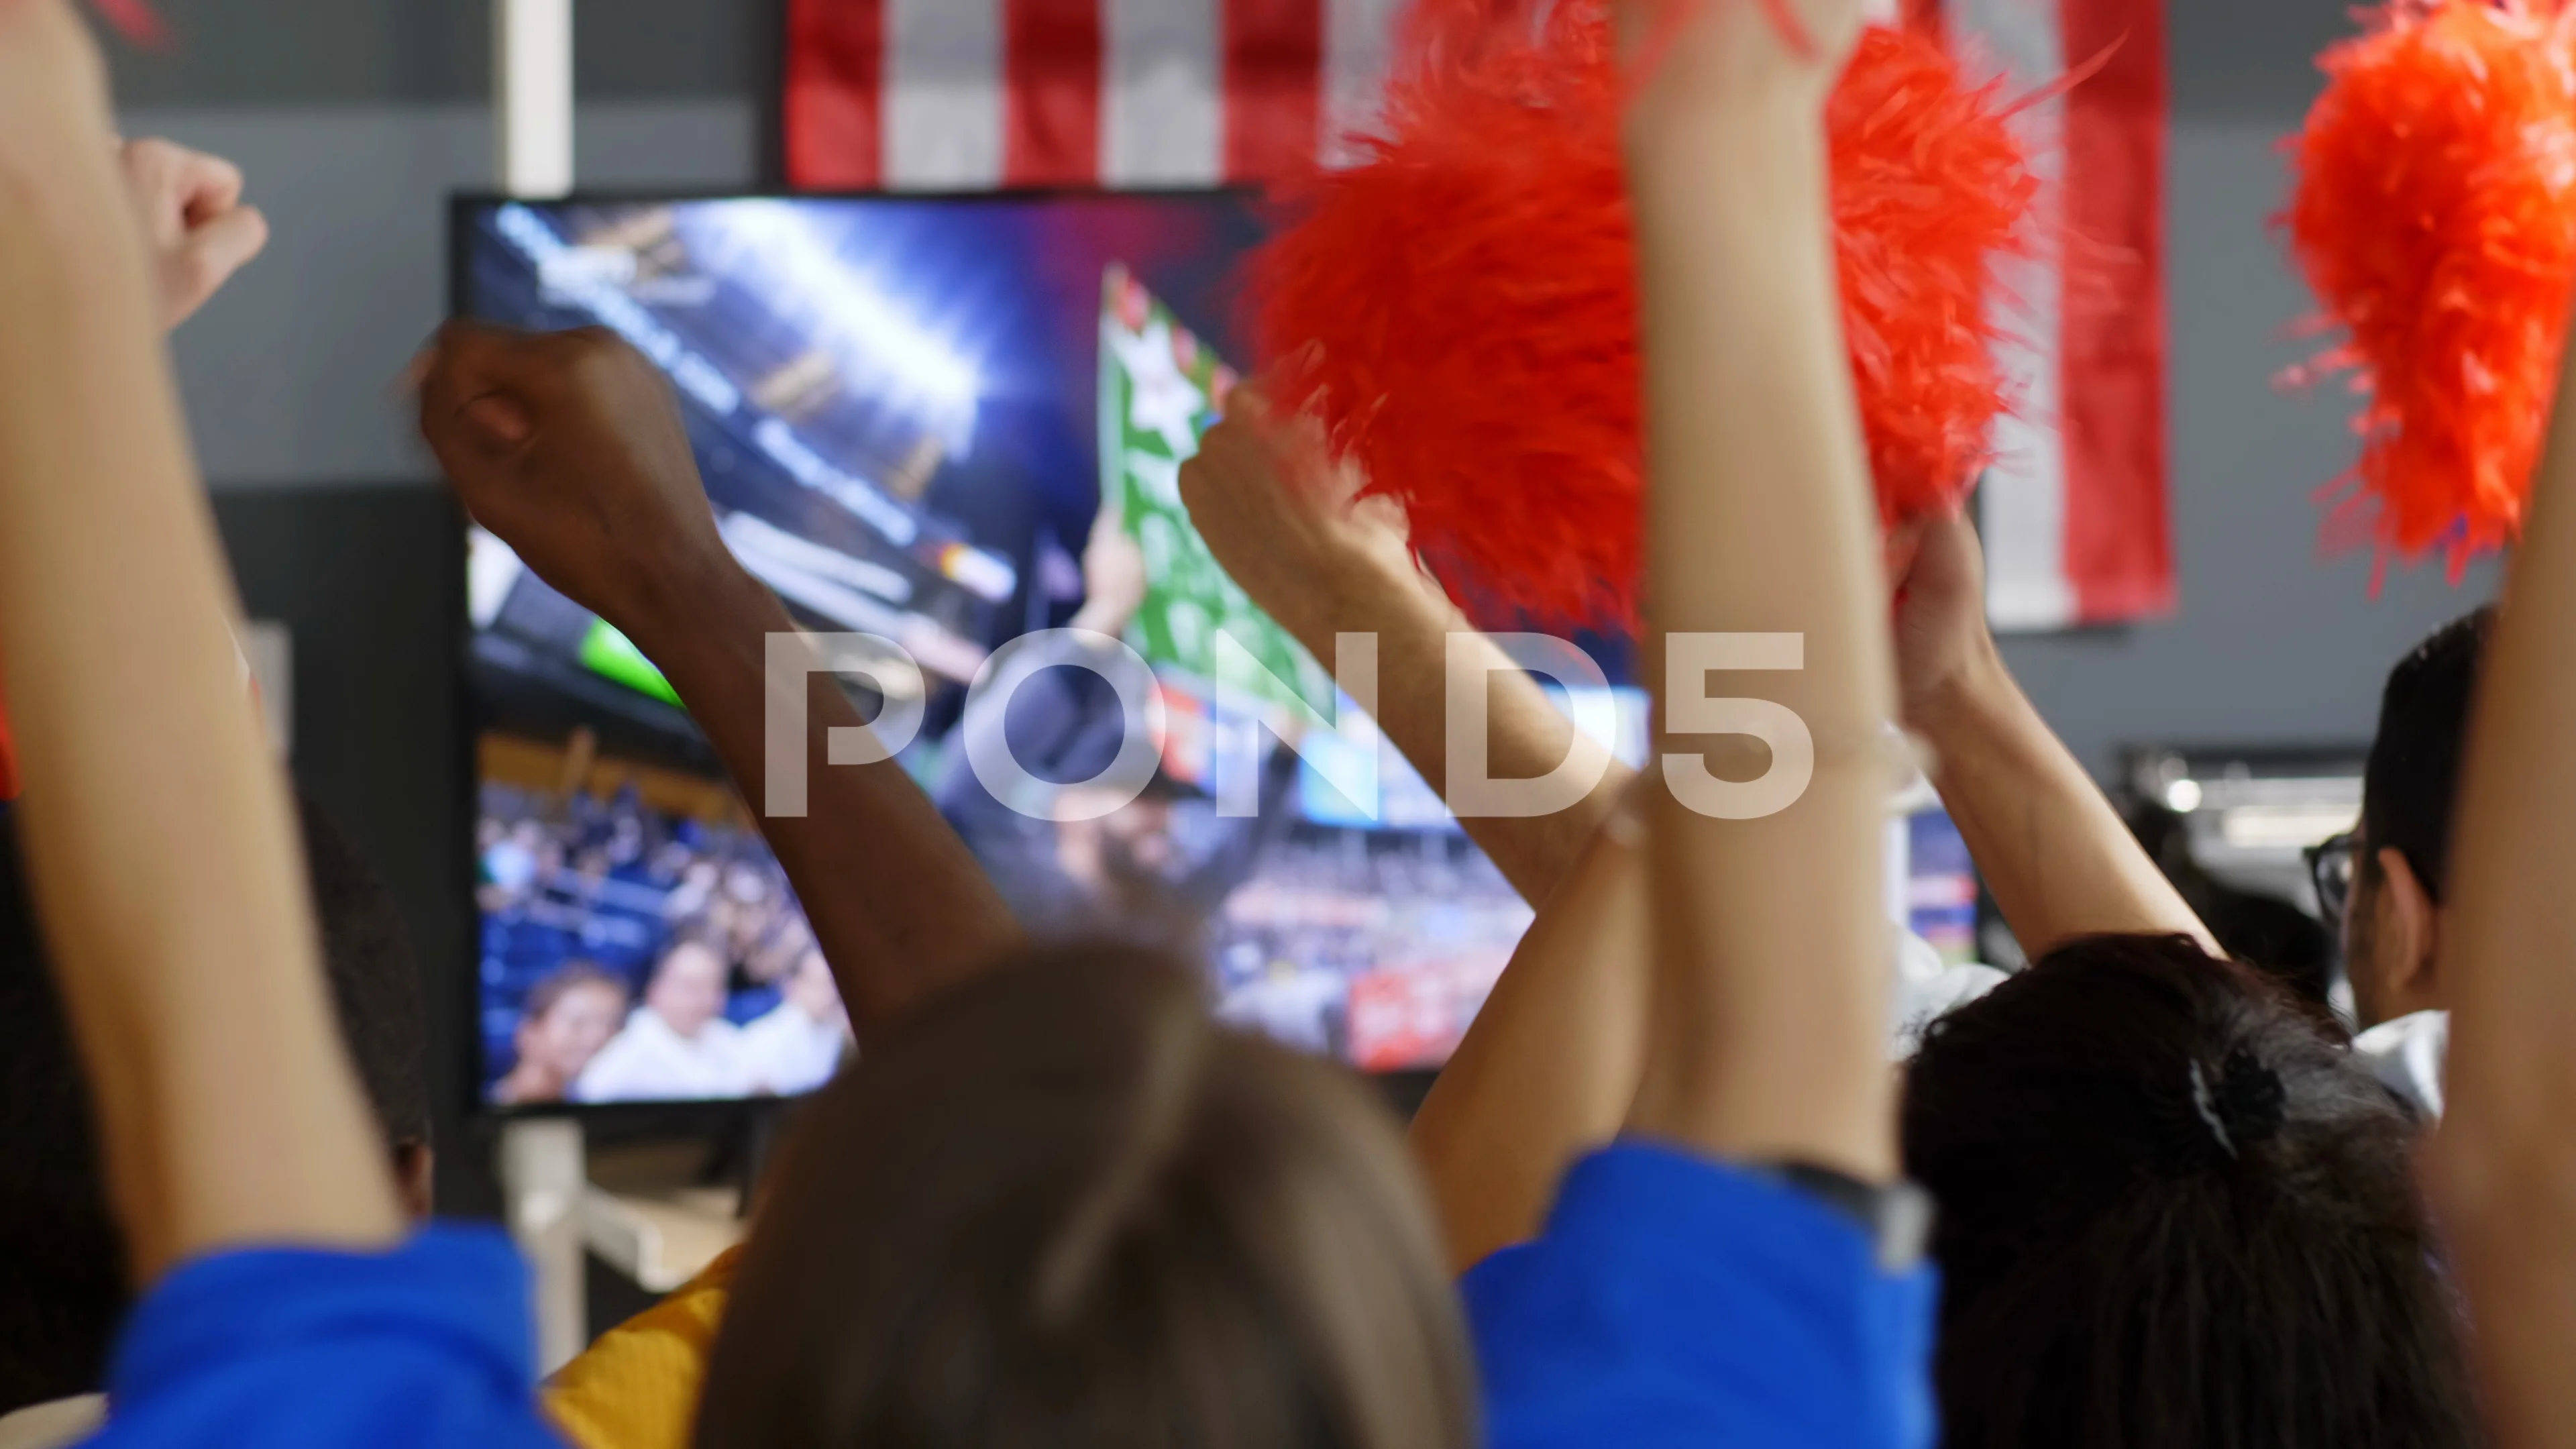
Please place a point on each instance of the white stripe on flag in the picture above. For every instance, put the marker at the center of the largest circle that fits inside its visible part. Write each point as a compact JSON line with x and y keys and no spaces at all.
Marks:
{"x":1162,"y":106}
{"x":2022,"y":501}
{"x":1359,"y":36}
{"x":943,"y":94}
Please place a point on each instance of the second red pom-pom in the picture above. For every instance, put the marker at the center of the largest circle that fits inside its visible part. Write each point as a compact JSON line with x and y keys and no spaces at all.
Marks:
{"x":2435,"y":218}
{"x":1460,"y":308}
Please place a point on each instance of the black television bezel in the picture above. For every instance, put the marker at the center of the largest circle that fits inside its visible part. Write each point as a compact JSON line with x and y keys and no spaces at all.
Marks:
{"x":1403,"y":1089}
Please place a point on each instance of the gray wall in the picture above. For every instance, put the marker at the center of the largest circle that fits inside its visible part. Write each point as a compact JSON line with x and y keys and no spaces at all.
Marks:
{"x":288,"y":371}
{"x":355,"y":117}
{"x":2272,"y":644}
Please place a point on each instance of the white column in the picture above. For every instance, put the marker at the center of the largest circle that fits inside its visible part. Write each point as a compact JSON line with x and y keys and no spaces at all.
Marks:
{"x":544,"y":1178}
{"x":544,"y":1173}
{"x":532,"y":96}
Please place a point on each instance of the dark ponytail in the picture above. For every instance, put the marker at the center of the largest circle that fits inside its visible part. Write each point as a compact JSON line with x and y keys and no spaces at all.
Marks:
{"x":2174,"y":1212}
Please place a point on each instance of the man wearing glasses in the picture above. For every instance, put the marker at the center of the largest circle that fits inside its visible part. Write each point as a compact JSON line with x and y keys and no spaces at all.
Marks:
{"x":2383,"y":881}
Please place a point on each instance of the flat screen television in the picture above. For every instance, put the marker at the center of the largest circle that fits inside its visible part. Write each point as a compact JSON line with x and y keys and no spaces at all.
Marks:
{"x":932,"y":420}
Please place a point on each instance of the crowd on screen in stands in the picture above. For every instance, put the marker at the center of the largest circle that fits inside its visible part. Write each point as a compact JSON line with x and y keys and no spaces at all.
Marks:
{"x":629,"y":956}
{"x":1667,"y":1191}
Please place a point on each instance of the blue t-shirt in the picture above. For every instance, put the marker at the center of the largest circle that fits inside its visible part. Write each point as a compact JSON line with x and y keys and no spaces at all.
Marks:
{"x":1676,"y":1301}
{"x":424,"y":1347}
{"x":1671,"y":1301}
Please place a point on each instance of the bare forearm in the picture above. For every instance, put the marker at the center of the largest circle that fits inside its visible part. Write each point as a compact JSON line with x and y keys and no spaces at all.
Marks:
{"x":900,"y":906}
{"x":2059,"y":860}
{"x":2505,"y":1165}
{"x":159,"y":839}
{"x":1760,"y":515}
{"x":1769,"y":1004}
{"x":1549,"y":1067}
{"x":1526,"y":736}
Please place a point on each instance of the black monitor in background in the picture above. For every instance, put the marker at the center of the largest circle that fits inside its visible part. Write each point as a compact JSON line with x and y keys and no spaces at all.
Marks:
{"x":911,"y":413}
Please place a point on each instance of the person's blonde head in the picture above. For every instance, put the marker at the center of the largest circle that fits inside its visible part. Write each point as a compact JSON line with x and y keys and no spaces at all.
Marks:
{"x":1062,"y":1208}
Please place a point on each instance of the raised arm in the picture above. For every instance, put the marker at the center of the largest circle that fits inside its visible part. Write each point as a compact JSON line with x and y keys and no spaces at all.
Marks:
{"x":1710,"y":953}
{"x":160,"y":842}
{"x":199,"y":229}
{"x":2503,"y":1170}
{"x":1289,"y":528}
{"x":2059,"y":859}
{"x":1549,"y":1066}
{"x":200,"y":232}
{"x":569,"y":446}
{"x":1548,"y":1069}
{"x":1767,"y":1029}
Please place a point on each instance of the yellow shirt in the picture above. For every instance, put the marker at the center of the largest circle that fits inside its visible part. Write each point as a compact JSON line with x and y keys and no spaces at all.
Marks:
{"x":637,"y":1386}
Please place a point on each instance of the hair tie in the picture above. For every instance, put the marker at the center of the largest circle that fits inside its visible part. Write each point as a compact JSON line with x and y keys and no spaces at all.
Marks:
{"x":2205,"y":1102}
{"x":2243,"y":1106}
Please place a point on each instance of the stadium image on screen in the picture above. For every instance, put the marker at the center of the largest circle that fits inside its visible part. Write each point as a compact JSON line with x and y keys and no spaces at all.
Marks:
{"x":940,"y":422}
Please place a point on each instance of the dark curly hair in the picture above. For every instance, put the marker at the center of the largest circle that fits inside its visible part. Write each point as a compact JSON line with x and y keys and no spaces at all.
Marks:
{"x":2174,"y":1214}
{"x":2414,"y":767}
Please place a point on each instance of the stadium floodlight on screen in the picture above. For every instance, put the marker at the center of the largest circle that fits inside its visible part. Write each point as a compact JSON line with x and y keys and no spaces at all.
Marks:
{"x":940,"y":422}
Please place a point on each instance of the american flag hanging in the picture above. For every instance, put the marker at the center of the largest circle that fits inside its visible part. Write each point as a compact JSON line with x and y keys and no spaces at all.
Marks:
{"x":969,"y":94}
{"x":2073,"y":510}
{"x":964,"y":94}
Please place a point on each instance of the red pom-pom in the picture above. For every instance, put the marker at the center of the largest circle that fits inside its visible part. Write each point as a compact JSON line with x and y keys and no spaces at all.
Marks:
{"x":135,"y":19}
{"x":1930,"y":186}
{"x":2435,"y":217}
{"x":1460,"y":309}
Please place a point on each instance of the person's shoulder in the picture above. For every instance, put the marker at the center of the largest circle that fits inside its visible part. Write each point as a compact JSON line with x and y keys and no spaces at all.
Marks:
{"x":773,"y":1030}
{"x":606,"y":1072}
{"x":1674,"y":1299}
{"x":420,"y":1346}
{"x":1928,"y":987}
{"x":625,"y":1042}
{"x":55,"y":1424}
{"x":2407,"y":1055}
{"x":646,"y":1036}
{"x":727,"y":1054}
{"x":637,"y":1386}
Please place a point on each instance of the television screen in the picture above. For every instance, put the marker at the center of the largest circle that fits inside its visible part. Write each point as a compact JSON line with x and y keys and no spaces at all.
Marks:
{"x":939,"y":422}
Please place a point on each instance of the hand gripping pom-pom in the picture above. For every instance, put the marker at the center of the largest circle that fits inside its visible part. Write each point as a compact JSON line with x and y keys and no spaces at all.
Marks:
{"x":1460,"y":308}
{"x":2435,"y":218}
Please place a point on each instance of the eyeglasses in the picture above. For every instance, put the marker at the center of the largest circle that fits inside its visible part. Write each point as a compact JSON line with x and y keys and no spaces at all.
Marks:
{"x":2330,"y":867}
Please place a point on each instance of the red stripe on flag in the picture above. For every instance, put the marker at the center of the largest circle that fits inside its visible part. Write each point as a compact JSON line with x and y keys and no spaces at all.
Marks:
{"x":835,"y":84}
{"x":2119,"y":552}
{"x":1274,"y":66}
{"x":1051,"y":92}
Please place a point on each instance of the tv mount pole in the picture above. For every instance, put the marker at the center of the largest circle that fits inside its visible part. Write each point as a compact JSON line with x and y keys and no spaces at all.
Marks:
{"x":545,"y":1180}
